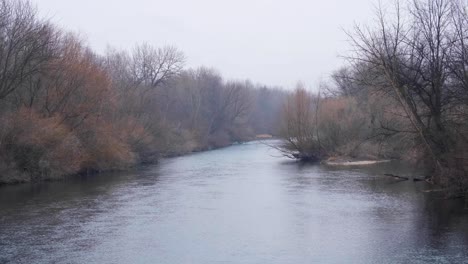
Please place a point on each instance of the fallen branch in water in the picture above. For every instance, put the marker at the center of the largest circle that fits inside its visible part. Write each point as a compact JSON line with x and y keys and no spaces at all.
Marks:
{"x":353,"y":163}
{"x":396,"y":176}
{"x":403,"y":177}
{"x":434,"y":190}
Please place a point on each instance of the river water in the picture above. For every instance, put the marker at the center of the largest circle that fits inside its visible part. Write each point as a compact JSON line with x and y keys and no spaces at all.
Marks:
{"x":241,"y":204}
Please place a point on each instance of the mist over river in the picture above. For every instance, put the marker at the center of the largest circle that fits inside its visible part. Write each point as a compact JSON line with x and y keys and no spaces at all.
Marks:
{"x":241,"y":204}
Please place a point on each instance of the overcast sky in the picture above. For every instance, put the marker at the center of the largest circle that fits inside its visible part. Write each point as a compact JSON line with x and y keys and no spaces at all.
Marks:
{"x":276,"y":42}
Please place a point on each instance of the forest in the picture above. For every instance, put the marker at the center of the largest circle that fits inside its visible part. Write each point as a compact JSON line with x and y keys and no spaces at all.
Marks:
{"x":65,"y":109}
{"x":401,"y":94}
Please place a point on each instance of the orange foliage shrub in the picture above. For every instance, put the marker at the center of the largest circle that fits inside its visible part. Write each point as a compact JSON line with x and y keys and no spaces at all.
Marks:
{"x":137,"y":138}
{"x":33,"y":147}
{"x":77,"y":87}
{"x":106,"y":148}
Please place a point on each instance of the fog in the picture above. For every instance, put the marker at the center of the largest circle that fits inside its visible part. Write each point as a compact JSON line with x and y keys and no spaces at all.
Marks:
{"x":269,"y":42}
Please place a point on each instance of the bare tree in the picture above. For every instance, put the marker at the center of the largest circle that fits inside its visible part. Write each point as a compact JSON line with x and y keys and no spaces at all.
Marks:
{"x":26,"y":43}
{"x":344,"y":83}
{"x":233,"y":105}
{"x":410,"y":52}
{"x":299,"y":126}
{"x":152,"y":67}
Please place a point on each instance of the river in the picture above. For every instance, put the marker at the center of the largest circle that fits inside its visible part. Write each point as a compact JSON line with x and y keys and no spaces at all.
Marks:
{"x":241,"y":204}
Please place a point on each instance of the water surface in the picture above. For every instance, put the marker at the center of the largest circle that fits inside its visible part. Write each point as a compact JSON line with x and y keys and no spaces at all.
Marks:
{"x":241,"y":204}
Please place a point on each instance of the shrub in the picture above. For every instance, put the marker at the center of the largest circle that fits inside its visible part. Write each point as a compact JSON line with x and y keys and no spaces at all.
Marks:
{"x":37,"y":148}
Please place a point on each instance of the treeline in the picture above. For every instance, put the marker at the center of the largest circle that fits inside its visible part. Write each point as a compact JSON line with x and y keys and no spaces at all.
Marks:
{"x":65,"y":109}
{"x":403,"y":95}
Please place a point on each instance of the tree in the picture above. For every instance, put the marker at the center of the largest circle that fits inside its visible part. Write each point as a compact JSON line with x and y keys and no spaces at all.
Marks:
{"x":152,"y":67}
{"x":26,"y":44}
{"x":300,"y":126}
{"x":140,"y":77}
{"x":412,"y":55}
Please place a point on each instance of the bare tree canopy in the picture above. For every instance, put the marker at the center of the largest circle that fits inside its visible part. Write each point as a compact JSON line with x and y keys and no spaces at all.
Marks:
{"x":418,"y":52}
{"x":26,"y":43}
{"x":152,"y":67}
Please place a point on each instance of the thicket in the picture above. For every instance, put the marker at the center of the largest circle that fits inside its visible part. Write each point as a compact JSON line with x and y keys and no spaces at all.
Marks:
{"x":403,"y":95}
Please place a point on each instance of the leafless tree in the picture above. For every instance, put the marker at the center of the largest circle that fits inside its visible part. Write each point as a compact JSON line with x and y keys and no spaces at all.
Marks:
{"x":26,"y":43}
{"x":411,"y":51}
{"x":300,"y":126}
{"x":152,"y":67}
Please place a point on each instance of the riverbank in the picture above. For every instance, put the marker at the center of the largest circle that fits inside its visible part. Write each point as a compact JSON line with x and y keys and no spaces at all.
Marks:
{"x":14,"y":178}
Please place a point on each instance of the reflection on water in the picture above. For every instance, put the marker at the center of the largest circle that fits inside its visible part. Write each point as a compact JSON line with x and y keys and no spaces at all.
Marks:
{"x":241,"y":204}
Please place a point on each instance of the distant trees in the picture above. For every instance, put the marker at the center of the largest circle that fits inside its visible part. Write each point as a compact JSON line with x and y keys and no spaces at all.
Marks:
{"x":209,"y":111}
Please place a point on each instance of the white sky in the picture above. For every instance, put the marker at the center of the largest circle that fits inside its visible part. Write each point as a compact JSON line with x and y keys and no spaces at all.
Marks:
{"x":274,"y":42}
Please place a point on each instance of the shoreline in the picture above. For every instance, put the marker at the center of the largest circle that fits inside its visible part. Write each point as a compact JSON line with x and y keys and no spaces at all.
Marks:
{"x":140,"y":164}
{"x":353,"y":162}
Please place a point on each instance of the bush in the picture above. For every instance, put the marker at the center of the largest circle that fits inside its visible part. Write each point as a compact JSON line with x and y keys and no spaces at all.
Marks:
{"x":106,"y":147}
{"x":36,"y":148}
